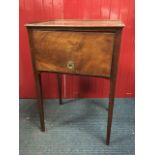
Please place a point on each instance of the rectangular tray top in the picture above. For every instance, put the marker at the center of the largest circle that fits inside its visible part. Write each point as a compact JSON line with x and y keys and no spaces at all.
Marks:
{"x":78,"y":23}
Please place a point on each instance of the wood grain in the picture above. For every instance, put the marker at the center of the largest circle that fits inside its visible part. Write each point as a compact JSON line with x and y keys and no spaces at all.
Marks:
{"x":90,"y":52}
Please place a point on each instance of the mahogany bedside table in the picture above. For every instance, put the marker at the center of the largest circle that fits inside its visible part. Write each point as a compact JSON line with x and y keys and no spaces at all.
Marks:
{"x":79,"y":47}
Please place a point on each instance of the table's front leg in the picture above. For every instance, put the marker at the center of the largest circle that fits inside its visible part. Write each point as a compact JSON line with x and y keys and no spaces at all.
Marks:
{"x":40,"y":99}
{"x":110,"y":108}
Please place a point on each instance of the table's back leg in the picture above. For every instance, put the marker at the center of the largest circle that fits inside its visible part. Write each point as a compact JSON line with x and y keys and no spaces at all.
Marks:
{"x":40,"y":100}
{"x":59,"y":79}
{"x":110,"y":109}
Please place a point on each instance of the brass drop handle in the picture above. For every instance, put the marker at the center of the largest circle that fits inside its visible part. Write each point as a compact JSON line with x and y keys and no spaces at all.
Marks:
{"x":70,"y":65}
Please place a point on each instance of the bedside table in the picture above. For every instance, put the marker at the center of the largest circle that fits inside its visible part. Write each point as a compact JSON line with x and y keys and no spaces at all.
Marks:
{"x":79,"y":47}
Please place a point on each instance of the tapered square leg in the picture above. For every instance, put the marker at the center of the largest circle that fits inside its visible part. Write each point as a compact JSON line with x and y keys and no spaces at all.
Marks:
{"x":110,"y":110}
{"x":59,"y":79}
{"x":113,"y":82}
{"x":110,"y":115}
{"x":40,"y":100}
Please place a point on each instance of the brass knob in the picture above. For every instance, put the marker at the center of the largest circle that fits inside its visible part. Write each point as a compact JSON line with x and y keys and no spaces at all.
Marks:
{"x":70,"y":65}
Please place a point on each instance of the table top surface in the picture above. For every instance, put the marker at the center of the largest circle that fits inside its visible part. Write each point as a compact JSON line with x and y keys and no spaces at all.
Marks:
{"x":77,"y":23}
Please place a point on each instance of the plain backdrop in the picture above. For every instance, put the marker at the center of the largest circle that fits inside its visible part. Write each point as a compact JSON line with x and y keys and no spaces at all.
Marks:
{"x":76,"y":86}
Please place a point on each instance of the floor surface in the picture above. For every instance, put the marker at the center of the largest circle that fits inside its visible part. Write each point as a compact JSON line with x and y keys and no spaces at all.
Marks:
{"x":78,"y":127}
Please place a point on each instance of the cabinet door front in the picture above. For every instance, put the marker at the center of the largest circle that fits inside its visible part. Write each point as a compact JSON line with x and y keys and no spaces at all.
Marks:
{"x":88,"y":53}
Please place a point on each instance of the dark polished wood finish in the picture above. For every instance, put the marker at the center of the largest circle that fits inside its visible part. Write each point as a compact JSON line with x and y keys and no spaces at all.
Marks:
{"x":80,"y":50}
{"x":59,"y":78}
{"x":76,"y":47}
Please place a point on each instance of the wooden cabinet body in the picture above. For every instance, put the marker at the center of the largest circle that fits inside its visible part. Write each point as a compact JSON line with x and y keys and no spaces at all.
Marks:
{"x":76,"y":47}
{"x":73,"y":52}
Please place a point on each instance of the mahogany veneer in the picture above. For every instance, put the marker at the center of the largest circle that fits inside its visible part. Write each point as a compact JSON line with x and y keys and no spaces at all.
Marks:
{"x":79,"y":47}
